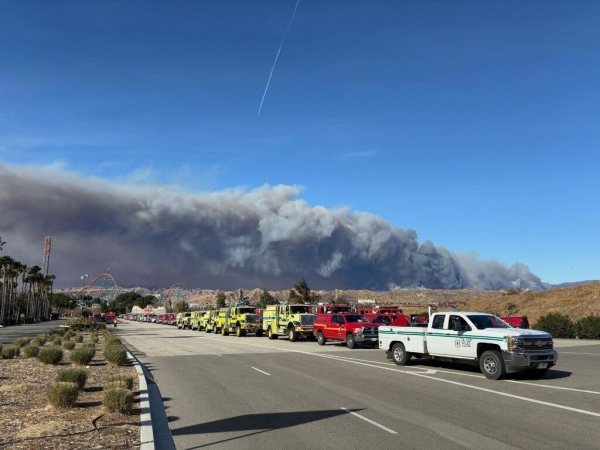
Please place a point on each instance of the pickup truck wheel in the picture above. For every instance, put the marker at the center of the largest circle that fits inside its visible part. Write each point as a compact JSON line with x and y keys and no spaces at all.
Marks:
{"x":293,"y":334}
{"x":321,"y":339}
{"x":350,"y":342}
{"x":271,"y":334}
{"x":399,"y":354}
{"x":492,"y":365}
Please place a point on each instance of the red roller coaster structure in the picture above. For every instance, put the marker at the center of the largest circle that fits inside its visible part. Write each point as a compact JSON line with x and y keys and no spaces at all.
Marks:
{"x":176,"y":293}
{"x":103,"y":286}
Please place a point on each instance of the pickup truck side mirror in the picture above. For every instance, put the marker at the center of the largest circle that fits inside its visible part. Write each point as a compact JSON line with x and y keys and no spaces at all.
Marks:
{"x":456,"y":326}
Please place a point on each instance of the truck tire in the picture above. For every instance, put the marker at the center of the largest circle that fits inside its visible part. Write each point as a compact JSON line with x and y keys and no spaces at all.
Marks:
{"x":293,"y":334}
{"x":350,"y":342}
{"x":259,"y":333}
{"x":492,"y":365}
{"x":239,"y":332}
{"x":207,"y":330}
{"x":224,"y":331}
{"x":271,"y":334}
{"x":321,"y":339}
{"x":399,"y":354}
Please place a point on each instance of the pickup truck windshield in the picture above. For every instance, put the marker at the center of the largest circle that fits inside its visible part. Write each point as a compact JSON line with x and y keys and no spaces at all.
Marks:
{"x":355,"y":318}
{"x":482,"y":321}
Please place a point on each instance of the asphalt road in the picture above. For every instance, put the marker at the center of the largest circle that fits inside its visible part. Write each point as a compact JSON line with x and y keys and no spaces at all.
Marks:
{"x":227,"y":392}
{"x":9,"y":334}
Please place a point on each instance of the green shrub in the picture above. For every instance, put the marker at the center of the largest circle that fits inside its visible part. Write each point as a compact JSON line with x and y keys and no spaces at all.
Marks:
{"x":40,"y":340}
{"x":1,"y":347}
{"x":115,"y":355}
{"x":57,"y":341}
{"x":21,"y":342}
{"x":31,"y":351}
{"x":588,"y":327}
{"x":62,"y":394}
{"x":69,"y":345}
{"x":10,"y":352}
{"x":94,"y":340}
{"x":110,"y":339}
{"x":115,"y":385}
{"x":118,"y":400}
{"x":50,"y":355}
{"x":122,"y":377}
{"x":558,"y":325}
{"x":73,"y":375}
{"x":82,"y":356}
{"x":79,"y":339}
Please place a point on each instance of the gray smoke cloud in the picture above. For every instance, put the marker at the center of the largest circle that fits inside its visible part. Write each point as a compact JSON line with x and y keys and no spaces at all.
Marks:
{"x":156,"y":236}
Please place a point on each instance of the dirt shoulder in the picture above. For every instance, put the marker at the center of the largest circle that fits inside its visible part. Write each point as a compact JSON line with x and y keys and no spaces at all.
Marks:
{"x":27,"y":422}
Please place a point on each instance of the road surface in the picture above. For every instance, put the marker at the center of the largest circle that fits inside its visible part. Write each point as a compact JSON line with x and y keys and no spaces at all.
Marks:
{"x":225,"y":392}
{"x":9,"y":334}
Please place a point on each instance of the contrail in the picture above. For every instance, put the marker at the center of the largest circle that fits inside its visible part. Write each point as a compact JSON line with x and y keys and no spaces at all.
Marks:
{"x":277,"y":56}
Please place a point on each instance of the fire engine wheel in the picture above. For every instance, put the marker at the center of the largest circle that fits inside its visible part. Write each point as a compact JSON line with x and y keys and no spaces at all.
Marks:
{"x":224,"y":331}
{"x":239,"y":332}
{"x":271,"y":334}
{"x":259,"y":333}
{"x":321,"y":339}
{"x":492,"y":365}
{"x":350,"y":342}
{"x":293,"y":334}
{"x":399,"y":354}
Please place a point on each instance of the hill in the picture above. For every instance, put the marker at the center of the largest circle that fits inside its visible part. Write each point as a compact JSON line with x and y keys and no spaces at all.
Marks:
{"x":575,"y":301}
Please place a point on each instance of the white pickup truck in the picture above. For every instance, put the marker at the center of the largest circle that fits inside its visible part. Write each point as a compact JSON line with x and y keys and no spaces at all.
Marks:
{"x":472,"y":337}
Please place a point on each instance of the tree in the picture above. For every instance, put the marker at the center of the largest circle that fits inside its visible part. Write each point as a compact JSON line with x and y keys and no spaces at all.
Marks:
{"x":302,"y":294}
{"x":221,"y":300}
{"x":181,"y":306}
{"x":558,"y":325}
{"x":266,"y":299}
{"x":144,"y":301}
{"x":123,"y":302}
{"x":60,"y":302}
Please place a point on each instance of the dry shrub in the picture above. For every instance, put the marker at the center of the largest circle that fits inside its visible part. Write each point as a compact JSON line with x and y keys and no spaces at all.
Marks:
{"x":73,"y":375}
{"x":69,"y":345}
{"x":57,"y":341}
{"x":124,"y":377}
{"x":62,"y":394}
{"x":21,"y":342}
{"x":79,"y":339}
{"x":116,"y":385}
{"x":10,"y":352}
{"x":31,"y":351}
{"x":50,"y":355}
{"x":40,"y":340}
{"x":115,"y":355}
{"x":94,"y":340}
{"x":82,"y":356}
{"x":118,"y":400}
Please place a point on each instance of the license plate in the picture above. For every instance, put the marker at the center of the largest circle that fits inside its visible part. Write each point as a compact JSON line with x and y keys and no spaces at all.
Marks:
{"x":372,"y":339}
{"x":542,"y":365}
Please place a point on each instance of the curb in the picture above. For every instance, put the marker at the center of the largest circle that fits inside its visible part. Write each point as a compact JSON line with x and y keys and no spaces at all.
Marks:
{"x":146,"y":430}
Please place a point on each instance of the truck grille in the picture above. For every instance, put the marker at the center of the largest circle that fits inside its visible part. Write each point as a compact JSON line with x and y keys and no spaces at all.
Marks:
{"x":537,"y":344}
{"x":371,"y":330}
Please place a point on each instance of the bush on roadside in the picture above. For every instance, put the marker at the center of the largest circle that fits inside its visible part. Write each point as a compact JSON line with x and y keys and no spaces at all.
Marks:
{"x":1,"y":347}
{"x":110,"y":339}
{"x":50,"y":355}
{"x":560,"y":326}
{"x":73,"y":375}
{"x":69,"y":345}
{"x":57,"y":341}
{"x":82,"y":356}
{"x":94,"y":340}
{"x":115,"y":385}
{"x":125,"y":378}
{"x":31,"y":351}
{"x":115,"y":355}
{"x":62,"y":394}
{"x":21,"y":342}
{"x":10,"y":352}
{"x":40,"y":340}
{"x":588,"y":327}
{"x":118,"y":400}
{"x":79,"y":339}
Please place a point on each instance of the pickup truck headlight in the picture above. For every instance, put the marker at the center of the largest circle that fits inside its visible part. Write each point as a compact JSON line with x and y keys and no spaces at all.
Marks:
{"x":357,"y":331}
{"x":514,"y":343}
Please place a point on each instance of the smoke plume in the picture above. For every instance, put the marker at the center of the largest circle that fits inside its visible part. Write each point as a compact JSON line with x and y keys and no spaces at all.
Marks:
{"x":156,"y":236}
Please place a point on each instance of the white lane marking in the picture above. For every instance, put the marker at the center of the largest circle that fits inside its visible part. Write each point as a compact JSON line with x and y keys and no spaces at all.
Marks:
{"x":554,"y":405}
{"x":369,"y":420}
{"x":261,"y":371}
{"x":577,"y":353}
{"x":553,"y":387}
{"x":216,"y":354}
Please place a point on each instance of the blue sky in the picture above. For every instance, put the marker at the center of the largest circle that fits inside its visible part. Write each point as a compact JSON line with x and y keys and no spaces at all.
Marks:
{"x":475,"y":123}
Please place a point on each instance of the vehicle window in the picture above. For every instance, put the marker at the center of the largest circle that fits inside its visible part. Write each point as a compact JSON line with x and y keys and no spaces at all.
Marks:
{"x":463,"y":323}
{"x":355,"y":318}
{"x":483,"y":321}
{"x":438,"y":321}
{"x":383,"y":319}
{"x":337,"y":319}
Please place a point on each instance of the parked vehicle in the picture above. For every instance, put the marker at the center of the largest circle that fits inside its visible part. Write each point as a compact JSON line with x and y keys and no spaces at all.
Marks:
{"x":474,"y":337}
{"x":183,"y":320}
{"x":196,"y":320}
{"x":241,"y":320}
{"x":353,"y":329}
{"x":295,"y":321}
{"x":517,"y":321}
{"x":331,"y":309}
{"x":110,"y":317}
{"x":210,"y":321}
{"x":394,"y":310}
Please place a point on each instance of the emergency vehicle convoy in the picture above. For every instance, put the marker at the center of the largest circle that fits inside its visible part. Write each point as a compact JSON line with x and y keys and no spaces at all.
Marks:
{"x":294,"y":321}
{"x":473,"y":337}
